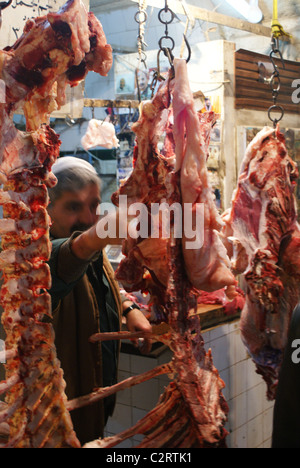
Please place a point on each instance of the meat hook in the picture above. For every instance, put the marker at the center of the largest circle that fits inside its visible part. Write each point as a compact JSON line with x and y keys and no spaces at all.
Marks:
{"x":279,"y":109}
{"x":276,"y":51}
{"x":4,"y":5}
{"x":170,"y":56}
{"x":188,"y":48}
{"x":168,"y":53}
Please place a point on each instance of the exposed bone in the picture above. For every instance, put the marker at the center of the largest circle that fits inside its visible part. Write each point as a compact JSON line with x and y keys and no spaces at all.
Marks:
{"x":6,"y":385}
{"x":8,"y":354}
{"x":167,"y":425}
{"x":106,"y":391}
{"x":119,"y":336}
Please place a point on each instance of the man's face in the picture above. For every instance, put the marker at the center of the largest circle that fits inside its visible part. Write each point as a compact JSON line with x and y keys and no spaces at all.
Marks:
{"x":74,"y":211}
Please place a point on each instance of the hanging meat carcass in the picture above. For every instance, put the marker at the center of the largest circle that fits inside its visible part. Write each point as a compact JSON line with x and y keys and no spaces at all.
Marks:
{"x":181,"y":163}
{"x":54,"y":50}
{"x":192,"y":411}
{"x":264,"y":232}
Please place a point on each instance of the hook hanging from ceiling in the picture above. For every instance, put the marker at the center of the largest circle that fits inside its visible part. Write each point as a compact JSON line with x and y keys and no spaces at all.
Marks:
{"x":166,"y":17}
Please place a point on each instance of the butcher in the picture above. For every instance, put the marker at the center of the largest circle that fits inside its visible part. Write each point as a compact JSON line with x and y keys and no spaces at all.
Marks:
{"x":85,"y":296}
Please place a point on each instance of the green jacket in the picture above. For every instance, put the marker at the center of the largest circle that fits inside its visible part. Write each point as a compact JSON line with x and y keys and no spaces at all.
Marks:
{"x":85,"y":300}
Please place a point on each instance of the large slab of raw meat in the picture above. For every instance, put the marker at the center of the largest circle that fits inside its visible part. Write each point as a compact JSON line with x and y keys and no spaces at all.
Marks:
{"x":158,"y":266}
{"x":264,"y":232}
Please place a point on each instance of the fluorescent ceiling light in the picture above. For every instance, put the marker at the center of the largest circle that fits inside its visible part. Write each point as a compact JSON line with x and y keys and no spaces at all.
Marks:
{"x":250,"y":10}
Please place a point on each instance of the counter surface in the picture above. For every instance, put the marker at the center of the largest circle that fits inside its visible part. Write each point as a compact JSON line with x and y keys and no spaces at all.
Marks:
{"x":210,"y":315}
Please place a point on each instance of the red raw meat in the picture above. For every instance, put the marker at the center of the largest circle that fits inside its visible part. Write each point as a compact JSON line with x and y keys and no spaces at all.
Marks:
{"x":53,"y":51}
{"x":265,"y":232}
{"x":145,"y":266}
{"x":178,"y":178}
{"x":231,"y":307}
{"x":157,"y":265}
{"x":208,"y":266}
{"x":35,"y":412}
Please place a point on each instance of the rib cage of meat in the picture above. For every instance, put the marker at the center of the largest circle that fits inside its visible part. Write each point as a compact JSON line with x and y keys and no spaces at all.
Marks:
{"x":262,"y":224}
{"x":192,"y":411}
{"x":54,"y":50}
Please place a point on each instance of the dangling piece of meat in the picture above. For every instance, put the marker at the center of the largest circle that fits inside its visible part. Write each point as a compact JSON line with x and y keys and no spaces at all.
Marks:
{"x":42,"y":60}
{"x":145,"y":266}
{"x":192,"y":411}
{"x":265,"y":236}
{"x":183,"y":157}
{"x":53,"y":51}
{"x":100,"y":133}
{"x":207,"y":264}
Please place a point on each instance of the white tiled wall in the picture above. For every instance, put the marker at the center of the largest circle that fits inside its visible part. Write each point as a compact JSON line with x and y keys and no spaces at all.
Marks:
{"x":250,"y":417}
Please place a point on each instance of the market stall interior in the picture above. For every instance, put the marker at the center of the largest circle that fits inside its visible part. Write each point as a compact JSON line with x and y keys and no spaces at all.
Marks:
{"x":192,"y":114}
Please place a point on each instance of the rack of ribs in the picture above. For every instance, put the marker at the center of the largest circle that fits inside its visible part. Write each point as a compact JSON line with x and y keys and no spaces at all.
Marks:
{"x":54,"y":50}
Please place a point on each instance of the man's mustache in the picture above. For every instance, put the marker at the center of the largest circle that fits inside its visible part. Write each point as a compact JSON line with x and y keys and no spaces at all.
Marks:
{"x":80,"y":227}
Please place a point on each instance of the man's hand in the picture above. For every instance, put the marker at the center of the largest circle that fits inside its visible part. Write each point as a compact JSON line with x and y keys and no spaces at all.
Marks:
{"x":92,"y":241}
{"x":136,"y":321}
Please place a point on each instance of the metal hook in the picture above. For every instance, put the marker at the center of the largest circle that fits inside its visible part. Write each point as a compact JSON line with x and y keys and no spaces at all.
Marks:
{"x":276,"y":51}
{"x":170,"y":57}
{"x":4,"y":5}
{"x":168,"y":53}
{"x":188,"y":48}
{"x":279,"y":109}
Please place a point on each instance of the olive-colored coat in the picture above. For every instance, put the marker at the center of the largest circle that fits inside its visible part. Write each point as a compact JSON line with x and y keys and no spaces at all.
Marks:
{"x":77,"y":316}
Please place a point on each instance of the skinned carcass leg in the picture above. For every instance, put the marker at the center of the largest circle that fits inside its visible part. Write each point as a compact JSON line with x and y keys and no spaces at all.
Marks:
{"x":207,"y":264}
